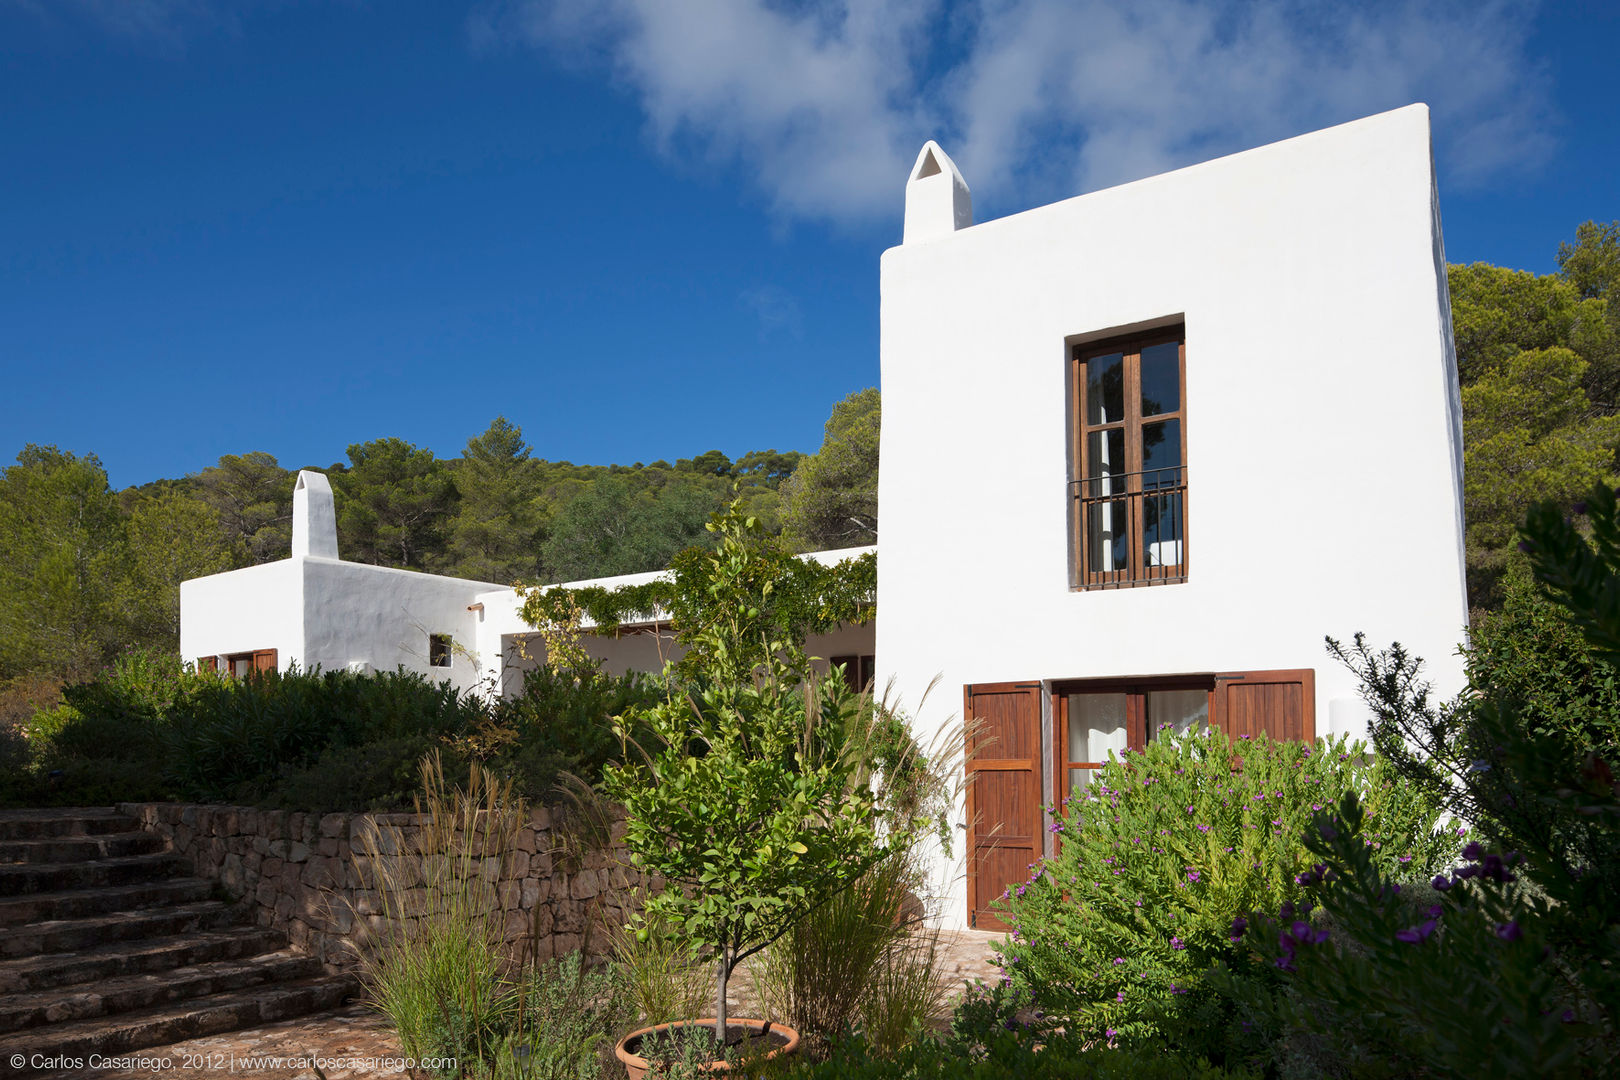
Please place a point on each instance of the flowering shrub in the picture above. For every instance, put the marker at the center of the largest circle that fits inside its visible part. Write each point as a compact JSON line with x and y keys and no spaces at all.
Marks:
{"x":1164,"y":851}
{"x":1380,"y":991}
{"x":1510,"y":964}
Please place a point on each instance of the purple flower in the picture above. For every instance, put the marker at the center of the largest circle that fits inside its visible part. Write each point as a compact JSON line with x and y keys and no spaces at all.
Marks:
{"x":1177,"y":943}
{"x":1441,"y":883}
{"x":1120,"y":996}
{"x":1192,"y":875}
{"x":1239,"y":925}
{"x":1473,"y":852}
{"x":1413,"y":935}
{"x":1509,"y":931}
{"x":1109,"y":1033}
{"x":1329,"y":832}
{"x":1118,"y":960}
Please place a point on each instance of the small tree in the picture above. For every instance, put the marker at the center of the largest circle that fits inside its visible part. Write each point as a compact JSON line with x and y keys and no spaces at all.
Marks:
{"x":753,"y":803}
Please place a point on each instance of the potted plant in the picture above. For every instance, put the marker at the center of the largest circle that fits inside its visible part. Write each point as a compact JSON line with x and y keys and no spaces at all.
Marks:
{"x":752,"y":802}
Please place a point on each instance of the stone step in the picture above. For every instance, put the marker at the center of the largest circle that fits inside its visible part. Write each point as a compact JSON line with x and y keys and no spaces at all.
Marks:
{"x":66,"y":849}
{"x":63,"y":821}
{"x":129,"y":993}
{"x":70,"y":935}
{"x":171,"y":1023}
{"x":25,"y":878}
{"x":80,"y":903}
{"x":141,"y":956}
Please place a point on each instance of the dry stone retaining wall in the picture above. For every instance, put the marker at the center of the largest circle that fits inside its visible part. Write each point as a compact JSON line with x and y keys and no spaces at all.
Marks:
{"x":299,"y":874}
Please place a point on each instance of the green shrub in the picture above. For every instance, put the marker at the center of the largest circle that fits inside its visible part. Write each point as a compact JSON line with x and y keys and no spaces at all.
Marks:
{"x":662,"y":978}
{"x":562,"y":723}
{"x":1374,"y":979}
{"x":561,"y":1018}
{"x":232,"y":739}
{"x":435,"y":962}
{"x":377,"y":775}
{"x":1526,"y":937}
{"x":860,"y":959}
{"x":1529,"y":653}
{"x":1163,"y":851}
{"x":991,"y":1040}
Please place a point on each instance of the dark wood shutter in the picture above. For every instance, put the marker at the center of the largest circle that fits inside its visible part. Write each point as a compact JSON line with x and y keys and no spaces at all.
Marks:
{"x":264,"y":660}
{"x":207,"y":663}
{"x":1281,"y":704}
{"x":1004,"y":792}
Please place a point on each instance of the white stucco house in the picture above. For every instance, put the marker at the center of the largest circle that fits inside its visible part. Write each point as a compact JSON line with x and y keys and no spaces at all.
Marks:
{"x":1142,"y":449}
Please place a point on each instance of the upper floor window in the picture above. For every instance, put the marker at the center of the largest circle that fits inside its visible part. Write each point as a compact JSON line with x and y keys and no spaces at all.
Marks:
{"x":1128,"y":485}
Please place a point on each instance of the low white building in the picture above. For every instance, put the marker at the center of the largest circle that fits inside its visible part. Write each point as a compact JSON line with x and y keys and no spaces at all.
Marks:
{"x":1142,"y":449}
{"x":313,"y":610}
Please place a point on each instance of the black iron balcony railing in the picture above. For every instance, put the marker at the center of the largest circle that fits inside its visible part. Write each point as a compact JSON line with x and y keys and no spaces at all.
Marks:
{"x":1130,"y":528}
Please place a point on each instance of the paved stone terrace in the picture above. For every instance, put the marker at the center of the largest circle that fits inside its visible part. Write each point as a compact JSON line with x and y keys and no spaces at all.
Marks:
{"x":355,"y":1043}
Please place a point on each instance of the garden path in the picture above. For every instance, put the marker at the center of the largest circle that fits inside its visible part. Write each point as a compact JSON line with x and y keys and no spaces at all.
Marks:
{"x":354,"y":1043}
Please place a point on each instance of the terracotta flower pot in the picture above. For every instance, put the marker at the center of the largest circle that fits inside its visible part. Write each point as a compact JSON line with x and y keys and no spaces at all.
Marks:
{"x":638,"y":1066}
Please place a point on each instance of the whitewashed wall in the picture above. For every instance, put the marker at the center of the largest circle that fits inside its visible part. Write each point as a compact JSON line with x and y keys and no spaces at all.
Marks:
{"x":1322,"y":426}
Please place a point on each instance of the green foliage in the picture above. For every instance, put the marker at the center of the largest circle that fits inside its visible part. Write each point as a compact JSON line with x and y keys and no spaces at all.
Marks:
{"x":172,"y":538}
{"x":393,"y":504}
{"x":733,"y":805}
{"x":62,"y":559}
{"x":830,"y":501}
{"x":152,"y":727}
{"x":436,"y":965}
{"x":1375,"y":980}
{"x":1527,"y":933}
{"x":819,"y":977}
{"x":613,"y":528}
{"x":992,"y":1039}
{"x":251,"y":494}
{"x":1529,"y":653}
{"x":1159,"y":855}
{"x":805,"y":597}
{"x":234,"y":736}
{"x":563,"y":725}
{"x":1539,"y":360}
{"x":496,"y":532}
{"x":658,"y":969}
{"x":1529,"y":432}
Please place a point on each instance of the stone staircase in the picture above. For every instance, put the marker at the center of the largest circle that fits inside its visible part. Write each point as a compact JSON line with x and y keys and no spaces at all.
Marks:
{"x":107,"y":944}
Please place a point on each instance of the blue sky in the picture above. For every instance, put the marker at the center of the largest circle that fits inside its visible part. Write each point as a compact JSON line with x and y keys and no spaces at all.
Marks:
{"x":642,"y":229}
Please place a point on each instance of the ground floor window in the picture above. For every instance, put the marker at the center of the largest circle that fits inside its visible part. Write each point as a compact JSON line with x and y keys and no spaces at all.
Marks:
{"x":858,"y":670}
{"x":240,"y":665}
{"x":1052,"y":736}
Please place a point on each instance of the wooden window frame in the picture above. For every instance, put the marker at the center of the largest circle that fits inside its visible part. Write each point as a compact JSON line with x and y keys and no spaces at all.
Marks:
{"x":258,"y":661}
{"x":1136,"y":571}
{"x":1137,"y":721}
{"x":859,"y":669}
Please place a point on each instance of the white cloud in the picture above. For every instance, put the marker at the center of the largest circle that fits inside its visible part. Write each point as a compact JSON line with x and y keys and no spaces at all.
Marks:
{"x":826,"y":101}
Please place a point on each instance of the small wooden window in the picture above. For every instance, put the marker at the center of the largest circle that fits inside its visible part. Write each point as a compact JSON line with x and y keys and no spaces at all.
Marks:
{"x":243,"y":664}
{"x":1128,"y":489}
{"x":858,"y":670}
{"x":439,"y":652}
{"x":207,"y":663}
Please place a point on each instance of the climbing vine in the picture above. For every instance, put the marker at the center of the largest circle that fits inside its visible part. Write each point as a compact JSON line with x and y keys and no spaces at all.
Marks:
{"x":803,"y":596}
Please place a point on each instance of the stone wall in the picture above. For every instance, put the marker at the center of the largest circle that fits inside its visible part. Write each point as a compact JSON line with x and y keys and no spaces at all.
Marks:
{"x":299,"y":874}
